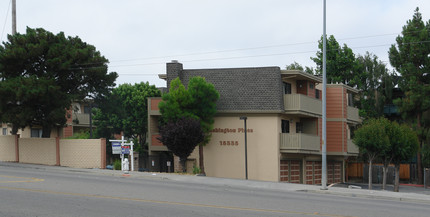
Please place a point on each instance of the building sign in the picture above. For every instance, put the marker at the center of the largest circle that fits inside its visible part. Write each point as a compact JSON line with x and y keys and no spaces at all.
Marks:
{"x":125,"y":149}
{"x":231,"y":130}
{"x":116,"y":148}
{"x":228,"y":143}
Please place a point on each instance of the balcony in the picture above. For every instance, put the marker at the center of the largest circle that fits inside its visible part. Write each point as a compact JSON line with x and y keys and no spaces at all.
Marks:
{"x":81,"y":119}
{"x":302,"y":104}
{"x":299,"y":143}
{"x":156,"y":145}
{"x":352,"y":114}
{"x":352,"y":148}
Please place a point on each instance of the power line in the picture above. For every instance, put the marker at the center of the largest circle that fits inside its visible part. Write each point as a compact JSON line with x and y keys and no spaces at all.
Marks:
{"x":240,"y":57}
{"x":4,"y":25}
{"x":238,"y":49}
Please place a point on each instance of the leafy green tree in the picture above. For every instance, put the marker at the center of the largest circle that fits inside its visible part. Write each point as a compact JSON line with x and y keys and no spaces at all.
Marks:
{"x":297,"y":66}
{"x":198,"y":101}
{"x":204,"y":97}
{"x":372,"y":140}
{"x":371,"y":77}
{"x":181,"y":137}
{"x":48,"y":72}
{"x":339,"y":61}
{"x":404,"y":146}
{"x":176,"y":103}
{"x":411,"y":59}
{"x":125,"y":110}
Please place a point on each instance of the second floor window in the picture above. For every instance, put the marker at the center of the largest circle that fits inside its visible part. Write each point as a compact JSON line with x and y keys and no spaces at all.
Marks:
{"x":299,"y":127}
{"x":285,"y":125}
{"x":317,"y":93}
{"x":87,"y":109}
{"x":4,"y":131}
{"x":350,"y":100}
{"x":287,"y":88}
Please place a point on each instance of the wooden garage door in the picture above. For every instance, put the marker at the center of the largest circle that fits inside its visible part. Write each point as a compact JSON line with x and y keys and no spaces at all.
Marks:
{"x":334,"y":172}
{"x":314,"y":171}
{"x":290,"y":171}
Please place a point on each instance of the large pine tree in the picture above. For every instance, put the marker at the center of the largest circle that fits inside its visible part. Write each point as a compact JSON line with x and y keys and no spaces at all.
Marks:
{"x":411,"y":59}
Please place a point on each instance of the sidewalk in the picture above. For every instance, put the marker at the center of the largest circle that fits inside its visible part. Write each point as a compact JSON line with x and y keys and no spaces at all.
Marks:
{"x":407,"y":193}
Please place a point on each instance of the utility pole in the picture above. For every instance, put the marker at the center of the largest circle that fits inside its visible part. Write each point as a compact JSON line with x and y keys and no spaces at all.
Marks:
{"x":324,"y":106}
{"x":13,"y":17}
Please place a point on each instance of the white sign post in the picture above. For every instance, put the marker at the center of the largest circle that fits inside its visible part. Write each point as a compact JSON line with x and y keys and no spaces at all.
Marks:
{"x":116,"y":148}
{"x":124,"y":148}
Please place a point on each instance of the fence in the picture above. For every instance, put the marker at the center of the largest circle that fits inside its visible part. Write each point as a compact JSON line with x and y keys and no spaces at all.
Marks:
{"x":426,"y":177}
{"x":361,"y":171}
{"x":78,"y":153}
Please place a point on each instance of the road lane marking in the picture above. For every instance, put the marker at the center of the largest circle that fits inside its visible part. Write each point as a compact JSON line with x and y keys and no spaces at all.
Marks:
{"x":26,"y":179}
{"x":174,"y":203}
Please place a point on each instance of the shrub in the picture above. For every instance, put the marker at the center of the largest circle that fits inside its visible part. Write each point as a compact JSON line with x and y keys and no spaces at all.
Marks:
{"x":117,"y":165}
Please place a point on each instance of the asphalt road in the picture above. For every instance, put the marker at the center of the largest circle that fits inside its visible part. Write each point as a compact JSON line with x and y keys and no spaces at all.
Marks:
{"x":32,"y":191}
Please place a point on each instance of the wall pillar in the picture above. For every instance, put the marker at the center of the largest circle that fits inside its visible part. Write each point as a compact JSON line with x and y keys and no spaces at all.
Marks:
{"x":17,"y":148}
{"x":57,"y":147}
{"x":103,"y":153}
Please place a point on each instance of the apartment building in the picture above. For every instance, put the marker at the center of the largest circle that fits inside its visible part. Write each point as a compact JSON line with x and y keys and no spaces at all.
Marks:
{"x":78,"y":119}
{"x":284,"y":120}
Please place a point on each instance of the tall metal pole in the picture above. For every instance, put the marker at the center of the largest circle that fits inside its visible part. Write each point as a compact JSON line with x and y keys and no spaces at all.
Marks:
{"x":13,"y":17}
{"x":91,"y":120}
{"x":246,"y":148}
{"x":324,"y":117}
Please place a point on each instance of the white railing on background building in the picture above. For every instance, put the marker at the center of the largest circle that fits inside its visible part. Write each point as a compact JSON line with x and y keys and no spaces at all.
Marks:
{"x":300,"y":141}
{"x":300,"y":102}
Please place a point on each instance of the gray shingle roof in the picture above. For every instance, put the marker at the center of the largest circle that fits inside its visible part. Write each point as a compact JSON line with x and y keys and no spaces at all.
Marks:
{"x":240,"y":89}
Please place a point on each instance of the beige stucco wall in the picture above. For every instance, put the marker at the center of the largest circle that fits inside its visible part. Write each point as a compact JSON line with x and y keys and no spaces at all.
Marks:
{"x":263,"y":148}
{"x":7,"y":148}
{"x":80,"y":153}
{"x":37,"y":151}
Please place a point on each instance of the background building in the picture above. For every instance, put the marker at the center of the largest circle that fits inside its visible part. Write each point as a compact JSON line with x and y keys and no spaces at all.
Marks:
{"x":284,"y":125}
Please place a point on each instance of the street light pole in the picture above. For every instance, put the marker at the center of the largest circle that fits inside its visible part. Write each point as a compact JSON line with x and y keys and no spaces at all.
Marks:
{"x":13,"y":17}
{"x":246,"y":148}
{"x":324,"y":106}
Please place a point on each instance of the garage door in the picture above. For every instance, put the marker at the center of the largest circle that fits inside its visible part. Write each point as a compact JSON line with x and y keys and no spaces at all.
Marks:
{"x":290,"y":171}
{"x":314,"y":171}
{"x":334,"y":172}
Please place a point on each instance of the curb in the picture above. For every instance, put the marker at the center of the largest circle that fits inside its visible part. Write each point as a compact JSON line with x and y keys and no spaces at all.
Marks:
{"x":363,"y":195}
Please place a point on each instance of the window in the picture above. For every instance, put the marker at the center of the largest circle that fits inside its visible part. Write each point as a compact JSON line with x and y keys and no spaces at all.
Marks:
{"x":285,"y":125}
{"x":36,"y":133}
{"x":287,"y":88}
{"x":350,"y":100}
{"x":312,"y":86}
{"x":87,"y":109}
{"x":299,"y":127}
{"x":4,"y":131}
{"x":317,"y":93}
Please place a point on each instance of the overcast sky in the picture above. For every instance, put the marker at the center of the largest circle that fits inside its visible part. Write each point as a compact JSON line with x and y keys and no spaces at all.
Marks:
{"x":140,"y":36}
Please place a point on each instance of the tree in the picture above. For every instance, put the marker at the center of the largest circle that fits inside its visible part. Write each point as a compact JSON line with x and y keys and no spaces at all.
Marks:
{"x":48,"y":72}
{"x":371,"y":77}
{"x":181,"y":137}
{"x":339,"y":61}
{"x":204,"y":97}
{"x":372,"y":140}
{"x":297,"y":66}
{"x":404,"y":146}
{"x":125,"y":110}
{"x":411,"y":59}
{"x":198,"y":102}
{"x":176,"y":103}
